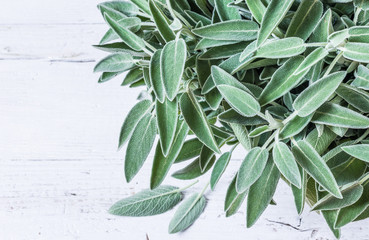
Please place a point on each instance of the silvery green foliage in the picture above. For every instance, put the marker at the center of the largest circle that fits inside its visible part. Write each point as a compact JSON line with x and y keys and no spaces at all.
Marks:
{"x":287,"y":81}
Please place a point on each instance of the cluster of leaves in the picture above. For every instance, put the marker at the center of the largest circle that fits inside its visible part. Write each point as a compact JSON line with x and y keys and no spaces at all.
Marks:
{"x":286,"y":80}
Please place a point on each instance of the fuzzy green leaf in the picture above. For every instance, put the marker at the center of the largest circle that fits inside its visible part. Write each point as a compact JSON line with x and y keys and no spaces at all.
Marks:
{"x":359,"y":151}
{"x":219,"y":168}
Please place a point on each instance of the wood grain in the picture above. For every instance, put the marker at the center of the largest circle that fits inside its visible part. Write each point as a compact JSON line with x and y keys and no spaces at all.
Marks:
{"x":59,"y":166}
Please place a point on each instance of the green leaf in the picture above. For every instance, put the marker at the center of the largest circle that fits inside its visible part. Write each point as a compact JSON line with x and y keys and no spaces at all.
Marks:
{"x":117,"y":62}
{"x":249,"y":52}
{"x":359,"y":34}
{"x":148,"y":202}
{"x":363,"y":4}
{"x":126,"y":8}
{"x":273,"y":15}
{"x":321,"y":142}
{"x":359,"y":151}
{"x":143,"y":5}
{"x":286,"y":163}
{"x":196,"y":17}
{"x":299,"y":194}
{"x":131,"y":23}
{"x":225,"y":11}
{"x":221,"y":77}
{"x":231,"y":116}
{"x":209,"y":43}
{"x":350,"y":213}
{"x":362,"y":78}
{"x":132,"y":119}
{"x":196,"y":120}
{"x":172,"y":62}
{"x":261,"y":193}
{"x":161,"y":163}
{"x":233,"y":30}
{"x":233,"y":200}
{"x":241,"y":133}
{"x":106,"y":76}
{"x":294,"y":126}
{"x":187,"y":213}
{"x":335,"y":115}
{"x":354,"y":96}
{"x":161,"y":22}
{"x":139,"y":146}
{"x":193,"y":170}
{"x":156,"y":76}
{"x":223,"y":51}
{"x":257,"y":9}
{"x":251,"y":168}
{"x":166,"y":113}
{"x":240,"y":100}
{"x":313,"y":164}
{"x":323,"y":29}
{"x":350,"y":194}
{"x":356,"y":51}
{"x":219,"y":168}
{"x":259,"y":131}
{"x":128,"y":37}
{"x":281,"y":48}
{"x":313,"y":58}
{"x":190,"y":149}
{"x":317,"y":93}
{"x":305,"y":19}
{"x":283,"y":80}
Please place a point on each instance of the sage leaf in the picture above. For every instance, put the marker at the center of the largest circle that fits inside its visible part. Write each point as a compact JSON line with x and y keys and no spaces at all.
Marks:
{"x":354,"y":96}
{"x":251,"y":168}
{"x":294,"y":126}
{"x":131,"y":23}
{"x":241,"y":101}
{"x":350,"y":213}
{"x":193,"y":170}
{"x":299,"y":194}
{"x":286,"y":163}
{"x":313,"y":164}
{"x":323,"y":29}
{"x":313,"y":58}
{"x":172,"y":62}
{"x":161,"y":163}
{"x":233,"y":199}
{"x":219,"y":168}
{"x":161,"y":22}
{"x":225,"y":11}
{"x":117,"y":62}
{"x":156,"y":76}
{"x":362,"y":78}
{"x":190,"y":149}
{"x":356,"y":51}
{"x":232,"y":30}
{"x":359,"y":151}
{"x":221,"y":77}
{"x":128,"y":37}
{"x":166,"y":116}
{"x":196,"y":120}
{"x":361,"y":4}
{"x":273,"y":15}
{"x":283,"y":80}
{"x":241,"y":133}
{"x":281,"y":48}
{"x":261,"y":193}
{"x":139,"y":146}
{"x":335,"y":115}
{"x":132,"y":119}
{"x":143,"y":5}
{"x":187,"y":213}
{"x":305,"y":19}
{"x":257,"y":9}
{"x":350,"y":194}
{"x":317,"y":93}
{"x":148,"y":202}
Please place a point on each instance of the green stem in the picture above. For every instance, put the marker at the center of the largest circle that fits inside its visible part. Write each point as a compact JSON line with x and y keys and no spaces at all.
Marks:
{"x":294,"y":114}
{"x":186,"y":187}
{"x":364,"y":179}
{"x":270,"y":139}
{"x":357,"y":13}
{"x":317,"y":44}
{"x":204,"y":189}
{"x":333,"y":63}
{"x":366,"y":133}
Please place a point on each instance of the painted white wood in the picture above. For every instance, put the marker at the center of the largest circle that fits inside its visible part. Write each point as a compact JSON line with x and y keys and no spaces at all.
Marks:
{"x":59,"y":165}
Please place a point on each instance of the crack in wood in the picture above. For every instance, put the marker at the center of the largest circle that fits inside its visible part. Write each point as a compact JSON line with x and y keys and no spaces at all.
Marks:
{"x":291,"y":226}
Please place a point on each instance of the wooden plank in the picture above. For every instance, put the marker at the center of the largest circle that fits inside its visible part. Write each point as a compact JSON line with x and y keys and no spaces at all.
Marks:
{"x":50,"y":12}
{"x":51,"y":42}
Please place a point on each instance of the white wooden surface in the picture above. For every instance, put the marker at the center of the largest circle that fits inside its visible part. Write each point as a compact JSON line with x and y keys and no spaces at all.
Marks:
{"x":59,"y":167}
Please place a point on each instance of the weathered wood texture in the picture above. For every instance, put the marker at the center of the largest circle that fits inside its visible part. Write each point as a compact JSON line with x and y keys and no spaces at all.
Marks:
{"x":59,"y":166}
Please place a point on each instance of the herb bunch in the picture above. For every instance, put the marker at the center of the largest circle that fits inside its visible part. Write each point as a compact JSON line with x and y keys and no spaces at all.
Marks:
{"x":286,"y":80}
